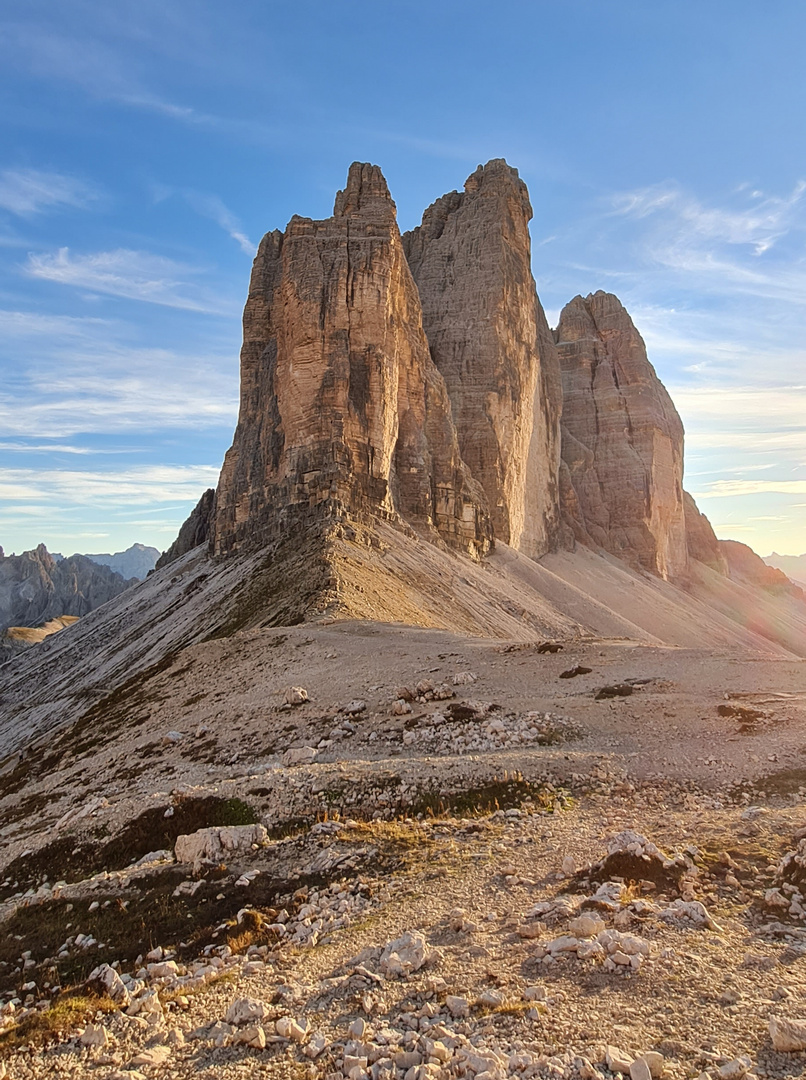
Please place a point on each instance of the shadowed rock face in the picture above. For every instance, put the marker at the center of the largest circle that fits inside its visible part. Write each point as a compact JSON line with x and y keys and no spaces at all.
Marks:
{"x":195,"y":530}
{"x":489,"y":338}
{"x":341,"y":404}
{"x":622,"y":448}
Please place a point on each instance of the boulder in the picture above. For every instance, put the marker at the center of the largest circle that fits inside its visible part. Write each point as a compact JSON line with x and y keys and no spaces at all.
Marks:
{"x":788,"y":1036}
{"x":218,"y":842}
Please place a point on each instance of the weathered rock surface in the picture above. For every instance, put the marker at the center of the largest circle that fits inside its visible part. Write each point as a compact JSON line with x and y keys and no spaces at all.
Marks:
{"x":218,"y":841}
{"x":701,"y":539}
{"x":35,"y":588}
{"x":622,"y":443}
{"x":194,"y":531}
{"x":489,"y":338}
{"x":341,"y":403}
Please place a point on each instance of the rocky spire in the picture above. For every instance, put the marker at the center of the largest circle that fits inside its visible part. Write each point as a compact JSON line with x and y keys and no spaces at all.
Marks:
{"x":489,"y":338}
{"x":622,"y":442}
{"x":342,"y":408}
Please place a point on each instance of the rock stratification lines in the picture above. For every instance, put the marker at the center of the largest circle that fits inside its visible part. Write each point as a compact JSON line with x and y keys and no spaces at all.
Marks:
{"x":622,"y":444}
{"x":489,"y":338}
{"x":342,"y":407}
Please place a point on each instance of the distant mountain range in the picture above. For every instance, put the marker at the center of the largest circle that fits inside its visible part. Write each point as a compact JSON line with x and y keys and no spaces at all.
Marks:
{"x":135,"y":562}
{"x":38,"y":587}
{"x":35,"y":587}
{"x":794,"y":566}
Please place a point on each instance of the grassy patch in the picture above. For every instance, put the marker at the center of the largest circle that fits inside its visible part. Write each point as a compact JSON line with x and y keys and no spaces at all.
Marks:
{"x":70,"y":1011}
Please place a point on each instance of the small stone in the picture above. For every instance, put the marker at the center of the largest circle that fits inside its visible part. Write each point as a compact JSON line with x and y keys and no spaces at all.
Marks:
{"x":296,"y":695}
{"x":357,"y":1028}
{"x":639,"y":1070}
{"x":406,"y":954}
{"x":586,"y":926}
{"x":154,"y":1055}
{"x":246,"y":1011}
{"x":736,"y":1069}
{"x":400,"y":707}
{"x":316,"y":1046}
{"x":788,"y":1036}
{"x":300,"y":755}
{"x":457,"y":1006}
{"x":616,"y":1061}
{"x":252,"y":1035}
{"x":94,"y":1035}
{"x":656,"y":1063}
{"x":569,"y":866}
{"x":289,"y":1028}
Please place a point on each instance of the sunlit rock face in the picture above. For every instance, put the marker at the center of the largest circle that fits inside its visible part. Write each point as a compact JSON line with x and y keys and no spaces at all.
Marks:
{"x":341,"y":403}
{"x":701,"y":538}
{"x":622,"y":444}
{"x":489,"y":338}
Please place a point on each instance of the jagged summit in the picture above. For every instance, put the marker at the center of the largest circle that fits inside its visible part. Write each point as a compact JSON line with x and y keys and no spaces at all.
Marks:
{"x":366,"y":194}
{"x":397,"y":459}
{"x":342,"y":407}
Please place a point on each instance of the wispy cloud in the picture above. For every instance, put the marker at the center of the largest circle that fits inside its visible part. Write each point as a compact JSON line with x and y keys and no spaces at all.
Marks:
{"x":211,"y":207}
{"x":83,"y":376}
{"x":143,"y":485}
{"x":43,"y":448}
{"x":758,"y":224}
{"x":133,"y":275}
{"x":26,"y":192}
{"x":721,"y":489}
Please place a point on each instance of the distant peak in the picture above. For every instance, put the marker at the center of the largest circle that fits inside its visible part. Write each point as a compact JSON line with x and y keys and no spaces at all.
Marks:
{"x":366,"y":194}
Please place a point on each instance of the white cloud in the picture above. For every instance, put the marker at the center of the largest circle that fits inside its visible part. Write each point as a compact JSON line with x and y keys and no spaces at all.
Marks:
{"x":24,"y":324}
{"x":210,"y":206}
{"x":133,"y":275}
{"x":721,"y":489}
{"x":54,"y":448}
{"x":66,"y":377}
{"x":730,"y":408}
{"x":26,"y":192}
{"x":758,"y":224}
{"x":140,"y":486}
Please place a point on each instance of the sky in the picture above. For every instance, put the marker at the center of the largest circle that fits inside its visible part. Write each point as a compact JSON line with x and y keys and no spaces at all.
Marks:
{"x":145,"y":149}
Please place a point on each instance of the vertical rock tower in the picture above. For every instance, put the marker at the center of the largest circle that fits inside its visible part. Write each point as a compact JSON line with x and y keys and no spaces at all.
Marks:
{"x":342,"y":408}
{"x":489,"y":338}
{"x":622,"y":444}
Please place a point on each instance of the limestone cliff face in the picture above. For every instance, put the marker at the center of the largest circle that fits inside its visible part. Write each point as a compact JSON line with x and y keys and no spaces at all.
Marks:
{"x":341,"y":404}
{"x":701,"y":539}
{"x":622,"y":445}
{"x":489,"y":339}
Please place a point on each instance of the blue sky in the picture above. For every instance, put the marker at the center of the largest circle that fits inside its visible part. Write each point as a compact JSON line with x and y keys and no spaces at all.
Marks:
{"x":146,"y":148}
